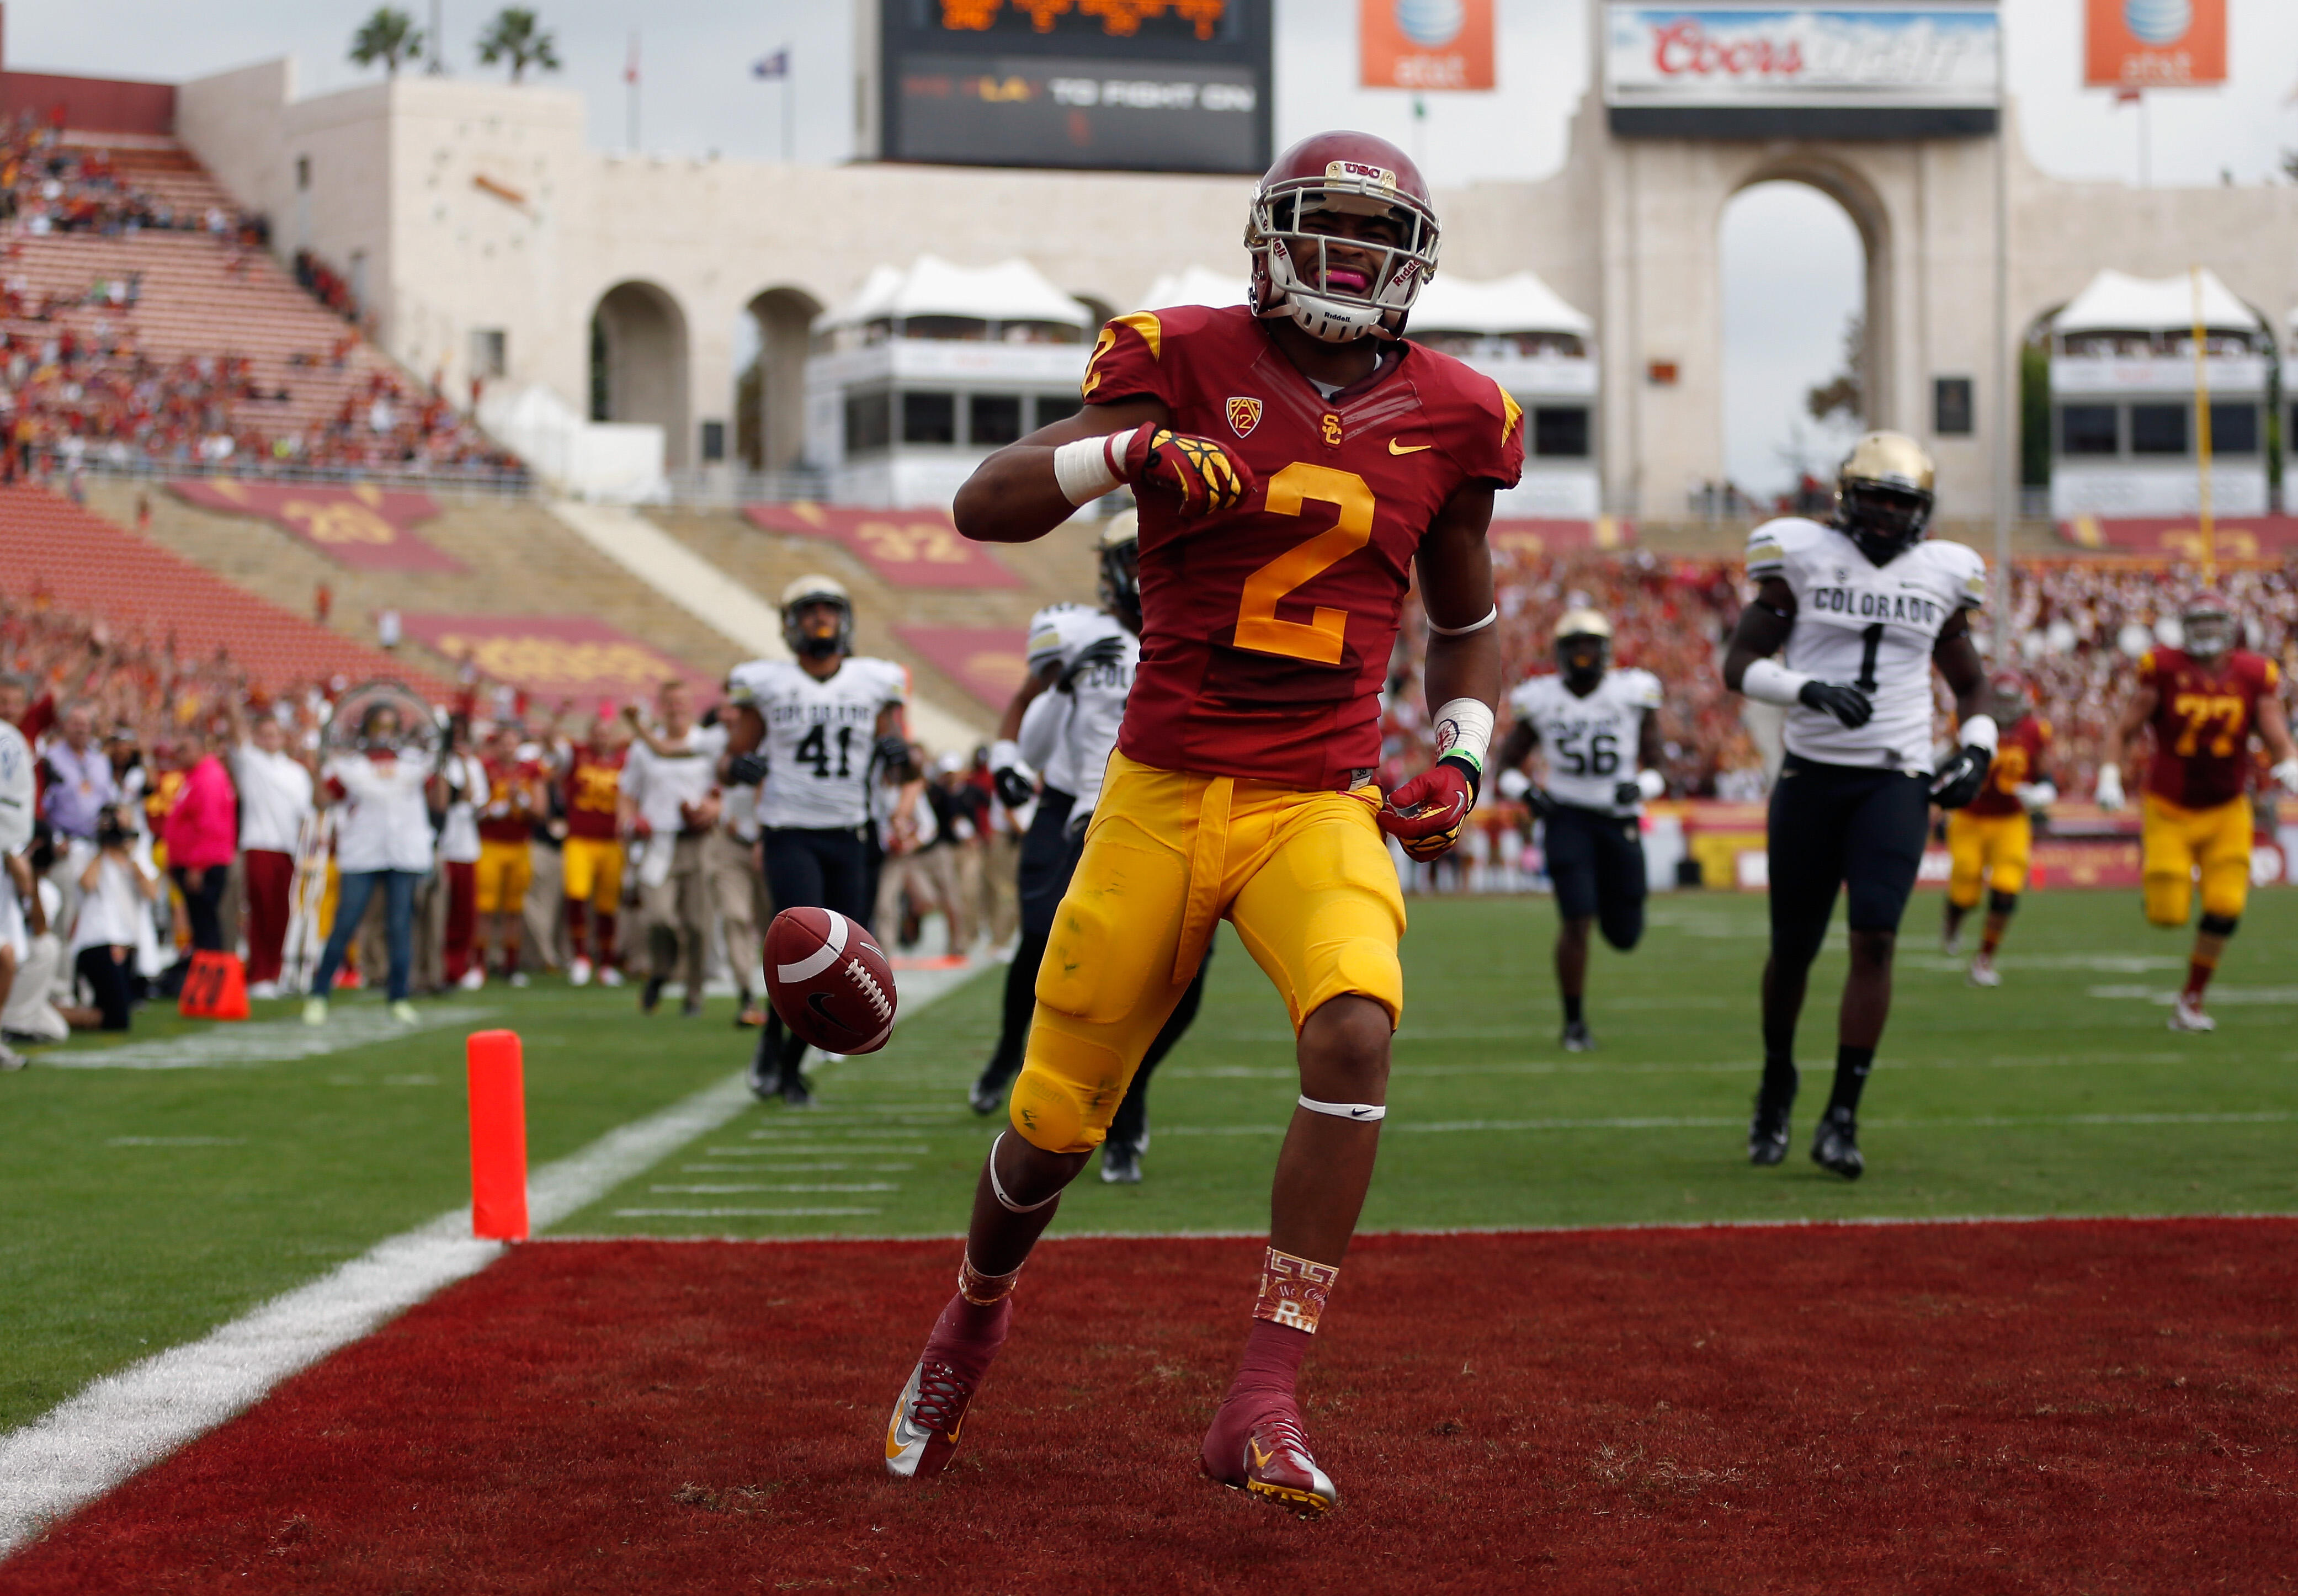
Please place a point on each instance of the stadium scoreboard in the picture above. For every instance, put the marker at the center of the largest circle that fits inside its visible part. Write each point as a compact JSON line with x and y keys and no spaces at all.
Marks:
{"x":1168,"y":85}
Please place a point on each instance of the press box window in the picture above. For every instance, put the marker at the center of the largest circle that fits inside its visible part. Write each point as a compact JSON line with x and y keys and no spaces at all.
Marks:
{"x":2158,"y":429}
{"x":714,"y":442}
{"x":2233,"y":428}
{"x":490,"y":352}
{"x":1951,"y":407}
{"x":993,"y":419}
{"x":1053,"y":407}
{"x":869,"y":420}
{"x":929,"y":417}
{"x":1560,"y":432}
{"x":2088,"y":429}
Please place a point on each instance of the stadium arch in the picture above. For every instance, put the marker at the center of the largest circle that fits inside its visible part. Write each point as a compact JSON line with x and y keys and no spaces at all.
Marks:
{"x":639,"y":354}
{"x":770,"y":395}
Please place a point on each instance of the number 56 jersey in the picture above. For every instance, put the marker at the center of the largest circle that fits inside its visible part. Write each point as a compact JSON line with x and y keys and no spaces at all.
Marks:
{"x":820,"y":737}
{"x":1874,"y":626}
{"x":1267,"y":629}
{"x":1590,"y":744}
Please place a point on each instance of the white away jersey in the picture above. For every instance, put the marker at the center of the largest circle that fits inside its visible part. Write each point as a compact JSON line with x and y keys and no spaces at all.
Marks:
{"x":1590,"y":743}
{"x":820,"y":737}
{"x":1058,"y":635}
{"x":1872,"y":626}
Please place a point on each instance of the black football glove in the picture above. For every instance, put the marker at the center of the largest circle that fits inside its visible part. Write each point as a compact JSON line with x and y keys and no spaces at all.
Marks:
{"x":745,"y":770}
{"x":1626,"y":795}
{"x":893,"y":752}
{"x":1540,"y":801}
{"x":1014,"y":789}
{"x":1962,"y":778}
{"x":1840,"y":699}
{"x":1109,"y":651}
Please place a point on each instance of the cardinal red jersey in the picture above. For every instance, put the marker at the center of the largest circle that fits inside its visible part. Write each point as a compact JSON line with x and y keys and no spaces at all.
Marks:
{"x":2018,"y":760}
{"x":2204,"y":716}
{"x":594,"y":782}
{"x":513,"y":787}
{"x":1267,"y":630}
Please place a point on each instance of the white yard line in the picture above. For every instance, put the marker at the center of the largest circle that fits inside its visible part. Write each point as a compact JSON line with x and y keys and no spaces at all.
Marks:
{"x":1714,"y":1122}
{"x":127,"y":1421}
{"x":250,"y":1043}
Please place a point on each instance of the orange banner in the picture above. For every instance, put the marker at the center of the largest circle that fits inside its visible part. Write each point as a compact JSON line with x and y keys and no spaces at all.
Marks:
{"x":2180,"y":538}
{"x":1425,"y":43}
{"x":987,"y":661}
{"x":363,"y":526}
{"x":907,"y":548}
{"x":2155,"y":44}
{"x":553,"y":657}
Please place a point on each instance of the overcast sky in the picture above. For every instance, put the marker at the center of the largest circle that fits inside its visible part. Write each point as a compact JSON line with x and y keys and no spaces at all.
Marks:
{"x":1792,"y":261}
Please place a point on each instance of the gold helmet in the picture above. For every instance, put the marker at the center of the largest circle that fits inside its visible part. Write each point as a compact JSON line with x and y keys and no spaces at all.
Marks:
{"x":1884,"y":491}
{"x":1584,"y":645}
{"x":802,"y":594}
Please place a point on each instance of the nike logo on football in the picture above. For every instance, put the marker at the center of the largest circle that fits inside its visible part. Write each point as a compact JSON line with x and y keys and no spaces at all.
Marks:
{"x":821,"y":1006}
{"x":1396,"y":448}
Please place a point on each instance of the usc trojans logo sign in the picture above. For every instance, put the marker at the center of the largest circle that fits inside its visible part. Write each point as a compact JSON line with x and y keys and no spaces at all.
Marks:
{"x":1243,"y":416}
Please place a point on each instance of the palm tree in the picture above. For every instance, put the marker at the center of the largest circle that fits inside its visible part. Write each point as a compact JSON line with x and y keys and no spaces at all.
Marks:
{"x":515,"y":36}
{"x":390,"y":37}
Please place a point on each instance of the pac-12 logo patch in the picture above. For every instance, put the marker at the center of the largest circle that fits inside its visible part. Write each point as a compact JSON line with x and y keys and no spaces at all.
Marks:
{"x":1243,"y":416}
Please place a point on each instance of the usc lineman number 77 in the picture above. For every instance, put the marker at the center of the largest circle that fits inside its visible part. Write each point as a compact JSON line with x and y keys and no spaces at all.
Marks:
{"x":1297,"y":462}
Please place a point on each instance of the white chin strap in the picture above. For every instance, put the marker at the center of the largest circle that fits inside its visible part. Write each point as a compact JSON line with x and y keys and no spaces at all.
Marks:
{"x":1362,"y":1113}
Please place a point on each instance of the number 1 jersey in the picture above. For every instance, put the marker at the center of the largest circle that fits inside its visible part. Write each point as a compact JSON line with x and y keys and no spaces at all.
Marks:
{"x":821,"y":736}
{"x":1874,"y":626}
{"x":1267,"y":630}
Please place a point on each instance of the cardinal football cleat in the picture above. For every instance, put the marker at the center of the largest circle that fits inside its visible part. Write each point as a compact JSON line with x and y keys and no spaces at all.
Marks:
{"x":923,"y":1433}
{"x":1275,"y":1466}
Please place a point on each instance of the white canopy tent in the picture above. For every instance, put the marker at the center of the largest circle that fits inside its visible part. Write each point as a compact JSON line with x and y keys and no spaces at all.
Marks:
{"x":1010,"y":291}
{"x":1518,"y":303}
{"x":2118,"y":302}
{"x":1195,"y":285}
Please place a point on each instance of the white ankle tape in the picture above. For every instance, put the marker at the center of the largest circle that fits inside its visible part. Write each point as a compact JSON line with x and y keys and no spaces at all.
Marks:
{"x":1363,"y":1113}
{"x":997,"y":1186}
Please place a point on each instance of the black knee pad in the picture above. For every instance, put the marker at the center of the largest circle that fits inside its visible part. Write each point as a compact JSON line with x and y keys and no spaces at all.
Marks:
{"x":2002,"y":903}
{"x":2219,"y":925}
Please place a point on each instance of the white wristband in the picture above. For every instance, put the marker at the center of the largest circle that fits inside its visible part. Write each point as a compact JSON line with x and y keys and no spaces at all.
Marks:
{"x":1005,"y":753}
{"x":1465,"y":726}
{"x":1980,"y":732}
{"x":1651,"y":784}
{"x":1491,"y":616}
{"x":1083,"y":471}
{"x":1768,"y":681}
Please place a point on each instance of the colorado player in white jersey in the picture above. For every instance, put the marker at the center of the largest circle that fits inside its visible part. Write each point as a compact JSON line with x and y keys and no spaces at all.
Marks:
{"x":1598,"y":732}
{"x":1064,"y":720}
{"x":1859,"y":610}
{"x":813,"y":730}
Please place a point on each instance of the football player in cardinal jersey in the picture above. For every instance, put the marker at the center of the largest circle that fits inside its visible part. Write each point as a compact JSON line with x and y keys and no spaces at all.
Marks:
{"x":1860,"y":609}
{"x":1599,"y":730}
{"x":1989,"y":839}
{"x":1064,"y":720}
{"x":2202,"y":701}
{"x":812,"y":731}
{"x":1296,"y":463}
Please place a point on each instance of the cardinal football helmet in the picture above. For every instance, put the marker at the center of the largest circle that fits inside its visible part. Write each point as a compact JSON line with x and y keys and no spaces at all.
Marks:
{"x":1308,"y":275}
{"x":2008,"y":698}
{"x":2206,"y":626}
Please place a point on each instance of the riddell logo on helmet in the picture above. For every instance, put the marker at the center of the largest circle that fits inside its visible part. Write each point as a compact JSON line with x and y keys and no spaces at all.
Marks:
{"x":1243,"y":416}
{"x":1362,"y":172}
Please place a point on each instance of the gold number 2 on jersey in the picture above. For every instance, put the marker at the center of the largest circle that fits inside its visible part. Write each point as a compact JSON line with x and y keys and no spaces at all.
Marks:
{"x":1320,"y":636}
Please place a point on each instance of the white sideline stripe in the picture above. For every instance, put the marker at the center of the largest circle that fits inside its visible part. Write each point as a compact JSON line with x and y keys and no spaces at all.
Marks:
{"x":247,"y":1043}
{"x":130,"y":1419}
{"x":718,"y":600}
{"x":753,"y":1213}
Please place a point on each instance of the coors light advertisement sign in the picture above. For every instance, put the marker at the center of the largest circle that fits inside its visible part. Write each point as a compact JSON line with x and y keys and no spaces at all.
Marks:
{"x":1937,"y":57}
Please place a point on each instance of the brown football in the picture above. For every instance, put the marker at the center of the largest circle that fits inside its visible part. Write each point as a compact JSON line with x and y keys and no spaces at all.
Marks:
{"x":829,"y":981}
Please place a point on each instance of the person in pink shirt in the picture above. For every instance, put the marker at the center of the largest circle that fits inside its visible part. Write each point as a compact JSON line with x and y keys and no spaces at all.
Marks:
{"x":202,"y":835}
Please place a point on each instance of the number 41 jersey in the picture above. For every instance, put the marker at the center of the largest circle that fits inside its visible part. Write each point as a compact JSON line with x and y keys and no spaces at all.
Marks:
{"x":820,"y":737}
{"x":1874,"y":626}
{"x":1267,"y":629}
{"x":1590,"y":744}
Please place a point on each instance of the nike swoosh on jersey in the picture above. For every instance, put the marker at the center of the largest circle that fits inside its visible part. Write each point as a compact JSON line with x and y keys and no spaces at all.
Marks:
{"x":1394,"y":448}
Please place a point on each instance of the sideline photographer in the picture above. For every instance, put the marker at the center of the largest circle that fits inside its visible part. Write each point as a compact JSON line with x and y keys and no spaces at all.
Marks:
{"x":117,"y":889}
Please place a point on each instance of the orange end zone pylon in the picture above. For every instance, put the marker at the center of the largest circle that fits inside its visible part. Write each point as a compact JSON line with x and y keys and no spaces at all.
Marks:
{"x":498,"y":1136}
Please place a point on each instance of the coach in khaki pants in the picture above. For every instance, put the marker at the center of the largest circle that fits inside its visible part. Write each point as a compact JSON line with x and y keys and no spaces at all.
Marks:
{"x":738,"y":892}
{"x":670,"y":800}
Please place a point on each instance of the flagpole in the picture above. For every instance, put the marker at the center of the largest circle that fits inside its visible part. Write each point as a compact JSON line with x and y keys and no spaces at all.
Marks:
{"x":790,"y":89}
{"x":630,"y":77}
{"x":2202,"y":432}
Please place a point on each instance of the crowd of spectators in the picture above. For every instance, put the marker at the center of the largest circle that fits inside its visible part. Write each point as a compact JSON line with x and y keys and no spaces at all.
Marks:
{"x":49,"y":187}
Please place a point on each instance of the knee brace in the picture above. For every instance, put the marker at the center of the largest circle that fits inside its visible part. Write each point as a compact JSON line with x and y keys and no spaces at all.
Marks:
{"x":2002,"y":903}
{"x":2219,"y":925}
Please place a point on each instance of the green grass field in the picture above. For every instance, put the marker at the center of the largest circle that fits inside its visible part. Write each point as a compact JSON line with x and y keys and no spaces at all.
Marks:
{"x":144,"y":1206}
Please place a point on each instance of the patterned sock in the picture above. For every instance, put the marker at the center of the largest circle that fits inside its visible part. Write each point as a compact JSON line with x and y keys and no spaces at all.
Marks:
{"x":1293,"y":1292}
{"x":973,"y":1326}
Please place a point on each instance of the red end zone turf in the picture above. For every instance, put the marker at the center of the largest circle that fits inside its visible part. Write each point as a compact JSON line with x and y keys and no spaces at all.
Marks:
{"x":2083,"y":1406}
